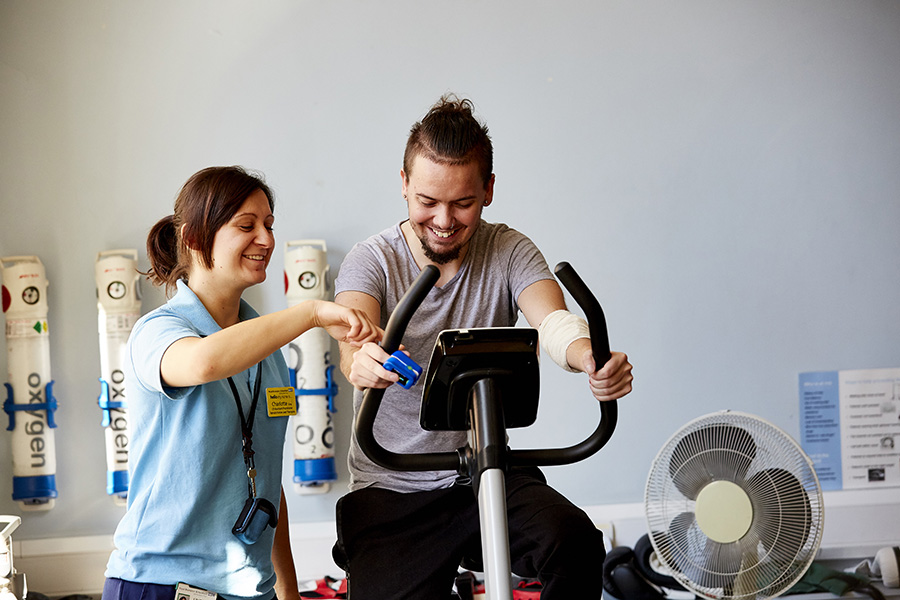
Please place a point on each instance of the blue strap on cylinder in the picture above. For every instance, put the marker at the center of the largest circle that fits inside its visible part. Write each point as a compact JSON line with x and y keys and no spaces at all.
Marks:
{"x":330,"y":389}
{"x":49,"y":405}
{"x":106,"y":404}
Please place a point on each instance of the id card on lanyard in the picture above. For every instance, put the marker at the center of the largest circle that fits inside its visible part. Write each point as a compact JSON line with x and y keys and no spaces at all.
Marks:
{"x":184,"y":591}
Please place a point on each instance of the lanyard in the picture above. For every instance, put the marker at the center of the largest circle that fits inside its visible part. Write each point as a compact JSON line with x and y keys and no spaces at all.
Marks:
{"x":247,"y":428}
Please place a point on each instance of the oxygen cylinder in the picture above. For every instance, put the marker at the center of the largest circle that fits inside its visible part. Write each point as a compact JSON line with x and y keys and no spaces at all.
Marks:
{"x":305,"y":278}
{"x":119,"y":307}
{"x":29,"y":404}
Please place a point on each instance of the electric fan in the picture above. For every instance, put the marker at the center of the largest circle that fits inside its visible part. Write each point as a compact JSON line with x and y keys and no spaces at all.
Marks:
{"x":734,"y":508}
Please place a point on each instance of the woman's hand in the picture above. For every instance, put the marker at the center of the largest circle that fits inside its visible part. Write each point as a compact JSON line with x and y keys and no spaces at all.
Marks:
{"x":344,"y":324}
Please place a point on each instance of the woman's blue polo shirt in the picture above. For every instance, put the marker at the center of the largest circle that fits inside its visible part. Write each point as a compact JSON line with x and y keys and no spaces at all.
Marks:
{"x":188,"y":481}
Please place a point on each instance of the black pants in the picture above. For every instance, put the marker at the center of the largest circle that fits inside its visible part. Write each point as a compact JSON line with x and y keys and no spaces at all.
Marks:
{"x":409,"y":546}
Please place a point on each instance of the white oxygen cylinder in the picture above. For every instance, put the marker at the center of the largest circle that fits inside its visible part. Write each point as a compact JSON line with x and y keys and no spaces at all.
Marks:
{"x":305,"y":278}
{"x":29,"y":404}
{"x":118,"y":307}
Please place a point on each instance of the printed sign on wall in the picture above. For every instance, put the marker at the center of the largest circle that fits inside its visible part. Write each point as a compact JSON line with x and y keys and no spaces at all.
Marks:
{"x":850,"y":427}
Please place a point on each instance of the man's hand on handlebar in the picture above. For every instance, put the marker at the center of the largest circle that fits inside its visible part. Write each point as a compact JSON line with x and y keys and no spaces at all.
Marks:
{"x":611,"y":382}
{"x":366,"y":370}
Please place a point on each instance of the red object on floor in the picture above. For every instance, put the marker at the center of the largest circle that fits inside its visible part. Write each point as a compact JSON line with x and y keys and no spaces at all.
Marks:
{"x":328,"y":587}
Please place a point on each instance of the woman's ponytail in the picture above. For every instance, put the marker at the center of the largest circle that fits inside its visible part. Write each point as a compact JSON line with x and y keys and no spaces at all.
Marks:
{"x":163,"y":252}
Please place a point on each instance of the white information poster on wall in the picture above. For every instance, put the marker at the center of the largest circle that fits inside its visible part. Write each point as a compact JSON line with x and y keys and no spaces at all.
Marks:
{"x":850,"y":427}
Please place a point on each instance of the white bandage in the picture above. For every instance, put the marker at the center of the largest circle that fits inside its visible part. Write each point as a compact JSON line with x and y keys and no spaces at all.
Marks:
{"x":559,"y":329}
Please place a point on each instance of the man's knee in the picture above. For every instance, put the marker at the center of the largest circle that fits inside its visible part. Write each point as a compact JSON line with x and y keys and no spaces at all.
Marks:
{"x":558,"y":540}
{"x":578,"y":529}
{"x":584,"y":538}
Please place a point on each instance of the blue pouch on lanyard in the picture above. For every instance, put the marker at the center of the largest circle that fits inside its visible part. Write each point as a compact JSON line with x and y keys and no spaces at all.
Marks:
{"x":258,"y":513}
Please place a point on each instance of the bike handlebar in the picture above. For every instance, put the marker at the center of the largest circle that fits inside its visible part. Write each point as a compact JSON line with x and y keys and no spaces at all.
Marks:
{"x":609,"y":410}
{"x":455,"y":461}
{"x":371,"y":401}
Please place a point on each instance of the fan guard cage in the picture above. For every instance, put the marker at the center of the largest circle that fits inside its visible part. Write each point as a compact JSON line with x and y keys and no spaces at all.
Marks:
{"x":784,"y":527}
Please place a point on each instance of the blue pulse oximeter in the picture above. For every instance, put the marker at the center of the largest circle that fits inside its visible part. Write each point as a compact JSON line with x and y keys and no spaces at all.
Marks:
{"x":405,"y":367}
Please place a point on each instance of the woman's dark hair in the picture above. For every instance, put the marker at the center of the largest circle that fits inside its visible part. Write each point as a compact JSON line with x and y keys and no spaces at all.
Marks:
{"x":207,"y":201}
{"x":450,"y":134}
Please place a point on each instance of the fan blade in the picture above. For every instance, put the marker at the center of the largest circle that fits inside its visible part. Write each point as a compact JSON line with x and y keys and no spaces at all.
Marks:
{"x":707,"y":563}
{"x":712,"y":452}
{"x":678,"y":547}
{"x":782,"y":515}
{"x":687,"y":551}
{"x":725,"y":559}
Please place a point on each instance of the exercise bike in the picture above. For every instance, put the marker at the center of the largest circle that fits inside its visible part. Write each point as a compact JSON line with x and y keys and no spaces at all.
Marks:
{"x":485,"y":381}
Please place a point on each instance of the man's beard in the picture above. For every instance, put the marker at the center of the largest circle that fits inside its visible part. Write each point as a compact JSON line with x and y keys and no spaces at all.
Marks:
{"x":440,"y":258}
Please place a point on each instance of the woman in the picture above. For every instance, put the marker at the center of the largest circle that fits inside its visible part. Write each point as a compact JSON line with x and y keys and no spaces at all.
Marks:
{"x":202,"y":370}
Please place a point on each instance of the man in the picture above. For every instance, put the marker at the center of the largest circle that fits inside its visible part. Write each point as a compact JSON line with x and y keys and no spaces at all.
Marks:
{"x":402,"y":534}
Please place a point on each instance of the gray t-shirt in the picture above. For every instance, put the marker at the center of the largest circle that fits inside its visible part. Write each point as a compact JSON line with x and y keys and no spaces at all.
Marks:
{"x":499,"y":264}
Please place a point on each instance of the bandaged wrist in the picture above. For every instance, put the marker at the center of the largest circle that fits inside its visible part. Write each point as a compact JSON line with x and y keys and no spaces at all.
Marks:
{"x":559,"y":329}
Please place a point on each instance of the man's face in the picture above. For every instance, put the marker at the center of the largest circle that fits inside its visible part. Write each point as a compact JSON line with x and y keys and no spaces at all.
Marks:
{"x":445,"y":203}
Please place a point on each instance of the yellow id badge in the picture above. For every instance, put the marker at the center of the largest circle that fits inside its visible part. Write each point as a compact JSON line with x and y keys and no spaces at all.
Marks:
{"x":281,"y":402}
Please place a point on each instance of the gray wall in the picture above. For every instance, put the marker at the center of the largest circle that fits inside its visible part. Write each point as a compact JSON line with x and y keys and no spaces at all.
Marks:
{"x":723,"y":174}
